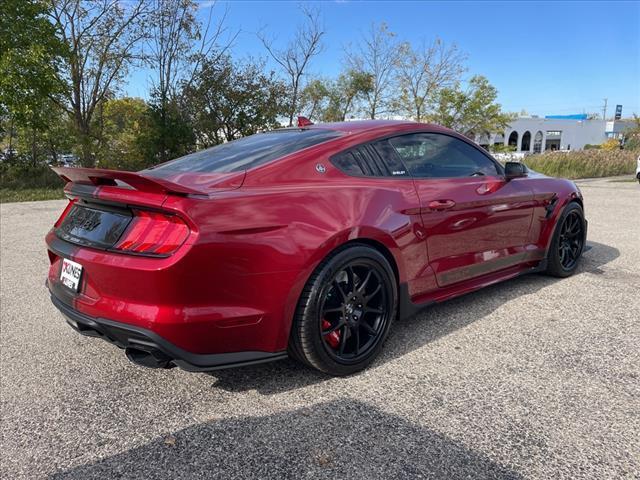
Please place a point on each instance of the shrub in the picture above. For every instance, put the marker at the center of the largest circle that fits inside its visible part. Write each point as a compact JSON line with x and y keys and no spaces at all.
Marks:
{"x":501,"y":148}
{"x":611,"y":144}
{"x":585,"y":163}
{"x":22,"y":176}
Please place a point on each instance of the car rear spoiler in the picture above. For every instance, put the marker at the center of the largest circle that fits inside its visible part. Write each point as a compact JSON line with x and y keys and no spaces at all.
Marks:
{"x":115,"y":178}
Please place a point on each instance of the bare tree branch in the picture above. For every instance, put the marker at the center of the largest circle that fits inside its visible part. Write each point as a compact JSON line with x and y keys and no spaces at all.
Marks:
{"x":377,"y":55}
{"x":103,"y":37}
{"x":294,"y":58}
{"x":178,"y":45}
{"x":424,"y":71}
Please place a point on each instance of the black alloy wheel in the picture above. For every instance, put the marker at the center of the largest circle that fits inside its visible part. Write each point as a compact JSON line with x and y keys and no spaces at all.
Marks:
{"x":345,"y":311}
{"x":354,"y":311}
{"x":568,"y":242}
{"x":571,"y":240}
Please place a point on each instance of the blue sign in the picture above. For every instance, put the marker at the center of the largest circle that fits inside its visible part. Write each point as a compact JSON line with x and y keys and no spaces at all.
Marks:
{"x":577,"y":116}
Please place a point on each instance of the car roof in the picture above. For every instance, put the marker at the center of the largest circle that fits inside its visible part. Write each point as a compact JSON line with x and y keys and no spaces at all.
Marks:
{"x":362,"y":126}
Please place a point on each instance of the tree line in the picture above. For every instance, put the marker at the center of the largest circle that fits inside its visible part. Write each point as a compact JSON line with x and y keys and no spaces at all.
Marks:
{"x":63,"y":64}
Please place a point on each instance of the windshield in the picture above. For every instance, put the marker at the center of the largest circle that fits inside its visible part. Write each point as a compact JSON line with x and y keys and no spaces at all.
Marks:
{"x":245,"y":153}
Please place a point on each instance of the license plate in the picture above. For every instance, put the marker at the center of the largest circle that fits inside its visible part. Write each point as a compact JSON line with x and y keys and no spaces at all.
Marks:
{"x":70,"y":274}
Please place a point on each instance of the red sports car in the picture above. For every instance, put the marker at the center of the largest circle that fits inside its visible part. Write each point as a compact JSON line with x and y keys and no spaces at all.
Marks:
{"x":307,"y":242}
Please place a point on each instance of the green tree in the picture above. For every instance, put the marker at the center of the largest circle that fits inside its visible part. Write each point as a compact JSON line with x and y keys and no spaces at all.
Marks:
{"x":30,"y":59}
{"x":123,"y":122}
{"x":172,"y":125}
{"x":104,"y":39}
{"x":332,"y":101}
{"x":45,"y":143}
{"x":177,"y":45}
{"x":227,"y":101}
{"x":314,"y":98}
{"x":471,"y":111}
{"x":423,"y":72}
{"x":350,"y":87}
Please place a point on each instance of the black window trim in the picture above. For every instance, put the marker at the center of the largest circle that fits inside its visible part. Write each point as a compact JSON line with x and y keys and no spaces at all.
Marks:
{"x":377,"y":159}
{"x":362,"y":158}
{"x":369,"y":145}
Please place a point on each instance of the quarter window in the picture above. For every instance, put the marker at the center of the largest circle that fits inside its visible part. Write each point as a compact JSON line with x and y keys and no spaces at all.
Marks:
{"x":348,"y":163}
{"x":377,"y":159}
{"x":433,"y":155}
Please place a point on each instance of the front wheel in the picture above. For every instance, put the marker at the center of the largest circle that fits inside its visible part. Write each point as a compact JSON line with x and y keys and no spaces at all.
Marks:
{"x":345,"y":311}
{"x":567,"y":243}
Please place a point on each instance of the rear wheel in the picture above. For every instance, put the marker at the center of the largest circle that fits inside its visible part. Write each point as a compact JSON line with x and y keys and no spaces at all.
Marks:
{"x":568,"y":242}
{"x":345,"y":311}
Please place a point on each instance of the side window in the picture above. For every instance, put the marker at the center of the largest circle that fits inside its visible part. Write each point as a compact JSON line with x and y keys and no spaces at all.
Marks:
{"x":348,"y":163}
{"x":434,"y":155}
{"x":377,"y":159}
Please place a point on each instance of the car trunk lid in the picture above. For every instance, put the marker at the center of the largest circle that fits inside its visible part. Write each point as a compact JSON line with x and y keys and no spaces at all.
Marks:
{"x":128,"y":212}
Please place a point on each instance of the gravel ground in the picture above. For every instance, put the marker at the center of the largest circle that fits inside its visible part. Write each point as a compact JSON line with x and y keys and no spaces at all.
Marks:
{"x":533,"y":378}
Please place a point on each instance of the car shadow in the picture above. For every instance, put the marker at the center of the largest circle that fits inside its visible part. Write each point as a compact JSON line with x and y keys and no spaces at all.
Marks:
{"x":409,"y":334}
{"x":338,"y":439}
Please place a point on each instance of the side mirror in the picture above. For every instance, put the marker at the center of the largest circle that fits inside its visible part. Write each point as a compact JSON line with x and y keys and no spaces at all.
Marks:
{"x":514,"y":170}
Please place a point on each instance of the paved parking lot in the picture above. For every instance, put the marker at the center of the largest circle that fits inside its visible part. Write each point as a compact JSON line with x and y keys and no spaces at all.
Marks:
{"x":533,"y":378}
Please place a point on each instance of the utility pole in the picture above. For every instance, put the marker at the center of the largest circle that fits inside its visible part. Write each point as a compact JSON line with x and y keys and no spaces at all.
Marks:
{"x":604,"y":109}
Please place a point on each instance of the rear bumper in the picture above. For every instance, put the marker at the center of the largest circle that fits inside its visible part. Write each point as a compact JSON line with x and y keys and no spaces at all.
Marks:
{"x":149,"y":349}
{"x":196,"y":299}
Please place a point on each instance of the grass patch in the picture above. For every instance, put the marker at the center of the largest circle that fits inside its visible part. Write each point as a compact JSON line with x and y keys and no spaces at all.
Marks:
{"x":584,"y":164}
{"x":30,"y":194}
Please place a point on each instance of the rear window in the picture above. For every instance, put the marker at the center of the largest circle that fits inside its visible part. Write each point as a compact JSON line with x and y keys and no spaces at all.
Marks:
{"x":245,"y":153}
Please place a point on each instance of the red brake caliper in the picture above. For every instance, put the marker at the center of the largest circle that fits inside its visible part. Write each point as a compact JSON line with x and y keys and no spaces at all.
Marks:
{"x":333,"y":338}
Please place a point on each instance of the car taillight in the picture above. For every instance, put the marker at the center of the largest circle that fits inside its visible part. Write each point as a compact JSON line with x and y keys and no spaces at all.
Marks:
{"x":153,"y":233}
{"x":64,"y":213}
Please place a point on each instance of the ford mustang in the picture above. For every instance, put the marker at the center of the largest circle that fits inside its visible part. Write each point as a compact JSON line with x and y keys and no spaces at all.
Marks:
{"x":306,"y":242}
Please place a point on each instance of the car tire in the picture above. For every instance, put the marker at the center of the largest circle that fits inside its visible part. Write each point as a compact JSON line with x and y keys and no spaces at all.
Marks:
{"x":345,"y":311}
{"x":568,"y":242}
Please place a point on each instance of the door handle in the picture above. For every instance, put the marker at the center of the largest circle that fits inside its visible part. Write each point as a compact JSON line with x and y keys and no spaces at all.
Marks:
{"x":441,"y":204}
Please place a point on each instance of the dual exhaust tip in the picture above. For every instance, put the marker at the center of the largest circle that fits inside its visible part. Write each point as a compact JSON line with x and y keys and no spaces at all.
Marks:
{"x":150,"y":359}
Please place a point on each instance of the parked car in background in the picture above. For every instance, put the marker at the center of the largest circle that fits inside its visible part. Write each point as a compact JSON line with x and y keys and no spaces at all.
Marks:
{"x":63,"y":160}
{"x":306,"y":242}
{"x":68,"y":160}
{"x":7,"y":154}
{"x":638,"y":169}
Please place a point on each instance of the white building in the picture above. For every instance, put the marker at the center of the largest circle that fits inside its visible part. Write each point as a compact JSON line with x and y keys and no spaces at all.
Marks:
{"x":572,"y":132}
